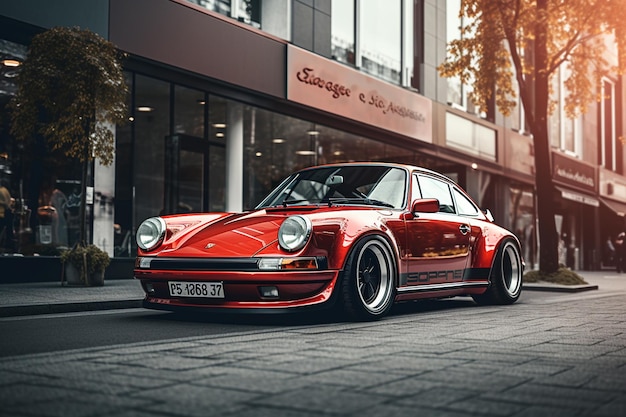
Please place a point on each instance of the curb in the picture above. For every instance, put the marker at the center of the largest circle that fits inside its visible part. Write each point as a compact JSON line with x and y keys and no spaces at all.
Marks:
{"x":36,"y":309}
{"x":559,"y":288}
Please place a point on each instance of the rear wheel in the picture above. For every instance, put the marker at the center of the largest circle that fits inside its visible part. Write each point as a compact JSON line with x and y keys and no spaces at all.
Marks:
{"x":505,"y":281}
{"x":368,"y":282}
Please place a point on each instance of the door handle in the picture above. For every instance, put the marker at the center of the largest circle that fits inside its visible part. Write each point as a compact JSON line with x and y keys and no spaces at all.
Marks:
{"x":464,"y":228}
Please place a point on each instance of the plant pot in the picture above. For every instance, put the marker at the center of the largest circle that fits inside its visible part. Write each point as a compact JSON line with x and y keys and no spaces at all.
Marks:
{"x":72,"y":275}
{"x":96,"y":279}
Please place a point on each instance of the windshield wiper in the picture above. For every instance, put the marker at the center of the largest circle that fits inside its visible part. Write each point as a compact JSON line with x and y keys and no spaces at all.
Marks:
{"x":361,"y":200}
{"x":285,"y":203}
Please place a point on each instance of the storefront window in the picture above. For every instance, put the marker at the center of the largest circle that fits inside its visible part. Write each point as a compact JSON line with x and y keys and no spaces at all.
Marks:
{"x":123,"y":194}
{"x":151,"y":128}
{"x":217,"y":153}
{"x":42,"y":216}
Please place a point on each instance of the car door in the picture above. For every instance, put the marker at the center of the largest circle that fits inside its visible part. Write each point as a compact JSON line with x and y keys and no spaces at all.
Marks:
{"x":437,"y":243}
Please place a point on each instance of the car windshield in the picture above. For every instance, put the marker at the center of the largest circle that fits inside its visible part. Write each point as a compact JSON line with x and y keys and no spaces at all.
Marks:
{"x":352,"y":185}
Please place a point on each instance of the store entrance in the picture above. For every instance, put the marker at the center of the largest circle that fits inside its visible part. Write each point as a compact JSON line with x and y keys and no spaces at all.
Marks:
{"x":188,"y":174}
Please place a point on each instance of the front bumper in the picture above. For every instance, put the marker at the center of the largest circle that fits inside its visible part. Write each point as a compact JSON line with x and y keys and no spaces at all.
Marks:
{"x":296,"y":289}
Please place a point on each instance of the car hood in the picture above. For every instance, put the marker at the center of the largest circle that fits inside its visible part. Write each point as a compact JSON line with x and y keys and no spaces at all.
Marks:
{"x":220,"y":234}
{"x":256,"y":233}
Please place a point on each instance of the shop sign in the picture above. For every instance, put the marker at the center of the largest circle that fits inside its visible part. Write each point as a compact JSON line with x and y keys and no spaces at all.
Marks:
{"x":573,"y":173}
{"x":317,"y":82}
{"x":612,"y":185}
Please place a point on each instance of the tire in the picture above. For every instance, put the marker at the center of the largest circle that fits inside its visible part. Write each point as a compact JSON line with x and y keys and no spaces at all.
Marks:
{"x":368,"y":284}
{"x":505,"y":280}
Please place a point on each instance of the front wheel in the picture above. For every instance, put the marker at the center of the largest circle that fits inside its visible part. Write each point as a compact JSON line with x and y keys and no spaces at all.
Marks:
{"x":505,"y":281}
{"x":368,"y":281}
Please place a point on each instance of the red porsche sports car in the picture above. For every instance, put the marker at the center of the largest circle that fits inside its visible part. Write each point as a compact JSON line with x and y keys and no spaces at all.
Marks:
{"x":359,"y":236}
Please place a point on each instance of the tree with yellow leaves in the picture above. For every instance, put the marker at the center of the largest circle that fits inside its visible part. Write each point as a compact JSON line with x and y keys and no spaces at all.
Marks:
{"x":525,"y":42}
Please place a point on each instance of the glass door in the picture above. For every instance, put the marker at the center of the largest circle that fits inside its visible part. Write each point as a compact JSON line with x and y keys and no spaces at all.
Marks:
{"x":186,"y":174}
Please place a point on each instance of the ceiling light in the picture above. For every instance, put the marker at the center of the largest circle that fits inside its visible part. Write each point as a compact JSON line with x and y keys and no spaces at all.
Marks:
{"x":11,"y":63}
{"x":145,"y":108}
{"x":306,"y":153}
{"x":278,"y":140}
{"x":219,"y":125}
{"x":313,"y":132}
{"x":219,"y":135}
{"x":259,"y":154}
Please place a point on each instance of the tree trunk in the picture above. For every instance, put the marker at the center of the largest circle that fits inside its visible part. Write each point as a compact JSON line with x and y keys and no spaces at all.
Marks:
{"x":548,"y":237}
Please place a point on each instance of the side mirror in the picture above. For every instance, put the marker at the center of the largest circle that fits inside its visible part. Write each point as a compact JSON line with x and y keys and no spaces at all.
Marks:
{"x":425,"y":205}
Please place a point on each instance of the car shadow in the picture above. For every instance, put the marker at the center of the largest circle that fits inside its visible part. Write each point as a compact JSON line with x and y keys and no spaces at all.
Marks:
{"x":332,"y":316}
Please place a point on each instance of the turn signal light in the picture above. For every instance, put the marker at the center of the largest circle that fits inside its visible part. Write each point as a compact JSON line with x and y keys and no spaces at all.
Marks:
{"x":275,"y":264}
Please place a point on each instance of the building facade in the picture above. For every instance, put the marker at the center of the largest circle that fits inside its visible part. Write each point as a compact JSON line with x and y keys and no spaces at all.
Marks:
{"x":227,"y":97}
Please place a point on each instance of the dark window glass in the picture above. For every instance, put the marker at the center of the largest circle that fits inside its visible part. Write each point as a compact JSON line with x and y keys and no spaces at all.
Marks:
{"x":342,"y":31}
{"x":433,"y":188}
{"x":152,"y":110}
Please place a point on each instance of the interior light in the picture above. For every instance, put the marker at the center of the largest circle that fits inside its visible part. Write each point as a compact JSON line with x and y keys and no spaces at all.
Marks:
{"x":219,"y":125}
{"x":145,"y":108}
{"x":278,"y":140}
{"x":259,"y":154}
{"x":474,"y":165}
{"x":313,"y":132}
{"x":306,"y":153}
{"x":219,"y":135}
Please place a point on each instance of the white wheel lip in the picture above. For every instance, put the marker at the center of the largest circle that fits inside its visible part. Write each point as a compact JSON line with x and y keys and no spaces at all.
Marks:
{"x":381,"y":301}
{"x":512,"y":273}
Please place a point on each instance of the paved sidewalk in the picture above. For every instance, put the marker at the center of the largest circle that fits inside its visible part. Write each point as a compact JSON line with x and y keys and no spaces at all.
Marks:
{"x":51,"y":297}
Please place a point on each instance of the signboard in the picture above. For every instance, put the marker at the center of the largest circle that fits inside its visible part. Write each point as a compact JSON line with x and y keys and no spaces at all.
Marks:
{"x":317,"y":82}
{"x":574,"y":173}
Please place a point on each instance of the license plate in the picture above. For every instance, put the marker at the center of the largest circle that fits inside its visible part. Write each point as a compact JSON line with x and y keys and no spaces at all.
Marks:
{"x":196,"y":289}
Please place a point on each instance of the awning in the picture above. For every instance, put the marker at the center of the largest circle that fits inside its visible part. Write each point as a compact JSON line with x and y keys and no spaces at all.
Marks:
{"x":615,"y":206}
{"x":579,"y":197}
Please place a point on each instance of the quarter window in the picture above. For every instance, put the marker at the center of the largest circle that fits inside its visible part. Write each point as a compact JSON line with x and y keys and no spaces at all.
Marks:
{"x":463,"y":205}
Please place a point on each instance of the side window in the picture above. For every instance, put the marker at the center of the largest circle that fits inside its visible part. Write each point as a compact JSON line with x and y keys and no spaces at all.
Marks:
{"x":464,"y":206}
{"x":433,"y":188}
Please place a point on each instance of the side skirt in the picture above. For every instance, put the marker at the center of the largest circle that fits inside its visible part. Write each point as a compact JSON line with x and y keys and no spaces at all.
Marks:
{"x":449,"y":286}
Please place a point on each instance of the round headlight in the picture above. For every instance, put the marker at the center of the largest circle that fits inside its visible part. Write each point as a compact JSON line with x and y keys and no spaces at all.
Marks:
{"x":294,"y":233}
{"x":150,"y":233}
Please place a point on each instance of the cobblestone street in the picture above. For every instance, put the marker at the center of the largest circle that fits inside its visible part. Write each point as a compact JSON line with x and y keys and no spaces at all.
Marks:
{"x":548,"y":355}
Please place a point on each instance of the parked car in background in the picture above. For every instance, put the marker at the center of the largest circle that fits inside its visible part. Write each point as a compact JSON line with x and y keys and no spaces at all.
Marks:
{"x":356,"y":236}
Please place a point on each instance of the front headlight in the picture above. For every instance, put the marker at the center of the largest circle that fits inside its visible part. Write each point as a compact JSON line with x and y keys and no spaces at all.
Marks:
{"x":150,"y":233}
{"x":294,"y":233}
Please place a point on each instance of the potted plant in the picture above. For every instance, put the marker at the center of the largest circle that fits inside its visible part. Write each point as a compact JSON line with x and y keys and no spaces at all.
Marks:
{"x":85,"y":265}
